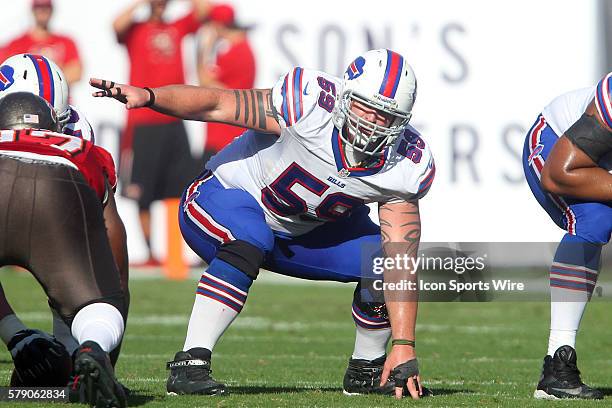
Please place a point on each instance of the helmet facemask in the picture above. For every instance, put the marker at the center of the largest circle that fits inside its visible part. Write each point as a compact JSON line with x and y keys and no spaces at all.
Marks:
{"x":63,"y":118}
{"x":362,"y":135}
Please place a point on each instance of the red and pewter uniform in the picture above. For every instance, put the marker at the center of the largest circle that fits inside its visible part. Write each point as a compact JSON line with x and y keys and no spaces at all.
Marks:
{"x":52,"y":217}
{"x":93,"y":162}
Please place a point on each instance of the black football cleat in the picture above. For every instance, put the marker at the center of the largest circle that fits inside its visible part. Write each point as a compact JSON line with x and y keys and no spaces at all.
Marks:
{"x":190,"y":374}
{"x":363,"y":377}
{"x":560,"y":378}
{"x":94,"y":381}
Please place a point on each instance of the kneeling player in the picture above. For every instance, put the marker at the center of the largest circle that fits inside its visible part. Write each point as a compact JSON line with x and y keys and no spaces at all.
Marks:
{"x":41,"y":76}
{"x":57,"y":189}
{"x":563,"y":162}
{"x":290,"y":195}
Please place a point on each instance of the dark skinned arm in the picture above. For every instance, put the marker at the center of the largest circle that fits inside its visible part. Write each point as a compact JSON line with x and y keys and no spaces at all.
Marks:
{"x":569,"y":172}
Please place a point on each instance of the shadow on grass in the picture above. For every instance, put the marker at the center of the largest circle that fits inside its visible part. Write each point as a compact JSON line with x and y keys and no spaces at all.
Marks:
{"x":136,"y":399}
{"x":605,"y":390}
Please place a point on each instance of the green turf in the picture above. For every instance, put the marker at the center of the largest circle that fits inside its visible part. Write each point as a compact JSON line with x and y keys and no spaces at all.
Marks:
{"x":291,"y":343}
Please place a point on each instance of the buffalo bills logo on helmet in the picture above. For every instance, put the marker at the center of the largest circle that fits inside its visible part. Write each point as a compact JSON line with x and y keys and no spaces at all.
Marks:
{"x":6,"y":77}
{"x":356,"y":68}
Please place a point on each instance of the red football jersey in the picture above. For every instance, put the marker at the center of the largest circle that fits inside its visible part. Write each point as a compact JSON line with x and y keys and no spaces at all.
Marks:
{"x":235,"y":68}
{"x":61,"y":49}
{"x":93,"y":162}
{"x":156,"y":59}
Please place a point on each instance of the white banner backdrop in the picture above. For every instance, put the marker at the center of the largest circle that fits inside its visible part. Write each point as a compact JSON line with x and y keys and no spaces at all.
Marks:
{"x":485,"y":70}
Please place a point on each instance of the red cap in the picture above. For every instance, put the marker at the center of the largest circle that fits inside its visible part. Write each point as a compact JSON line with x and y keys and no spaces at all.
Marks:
{"x":42,"y":3}
{"x":222,"y":14}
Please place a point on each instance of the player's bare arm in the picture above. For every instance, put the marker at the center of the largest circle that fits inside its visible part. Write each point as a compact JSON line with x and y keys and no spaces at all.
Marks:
{"x":400,"y":228}
{"x":569,"y":171}
{"x":115,"y":230}
{"x":250,"y":108}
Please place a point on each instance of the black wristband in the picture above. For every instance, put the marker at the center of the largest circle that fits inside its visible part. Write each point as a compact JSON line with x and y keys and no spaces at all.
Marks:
{"x":151,"y":101}
{"x":403,"y":342}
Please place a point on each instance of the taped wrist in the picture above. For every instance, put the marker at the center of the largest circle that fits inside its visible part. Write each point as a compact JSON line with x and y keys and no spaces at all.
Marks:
{"x":243,"y":256}
{"x":590,"y":137}
{"x":402,"y":372}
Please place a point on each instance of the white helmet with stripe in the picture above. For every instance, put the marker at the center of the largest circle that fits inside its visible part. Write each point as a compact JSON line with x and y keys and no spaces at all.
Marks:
{"x":38,"y":75}
{"x":383,"y":80}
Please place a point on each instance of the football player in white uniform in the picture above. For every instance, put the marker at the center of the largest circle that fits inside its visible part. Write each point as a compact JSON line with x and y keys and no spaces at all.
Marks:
{"x":566,"y":163}
{"x":289,"y":195}
{"x":41,"y":76}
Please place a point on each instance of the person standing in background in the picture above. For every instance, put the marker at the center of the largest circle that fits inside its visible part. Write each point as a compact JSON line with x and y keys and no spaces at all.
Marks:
{"x":156,"y":161}
{"x":226,"y":60}
{"x":40,"y":40}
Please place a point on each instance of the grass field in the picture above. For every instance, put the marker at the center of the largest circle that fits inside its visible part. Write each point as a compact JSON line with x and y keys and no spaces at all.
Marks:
{"x":290,"y":346}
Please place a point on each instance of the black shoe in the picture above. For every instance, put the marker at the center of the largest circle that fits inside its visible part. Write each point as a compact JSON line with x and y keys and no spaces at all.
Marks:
{"x":561,"y":378}
{"x":94,"y":381}
{"x":363,"y":377}
{"x":190,"y":374}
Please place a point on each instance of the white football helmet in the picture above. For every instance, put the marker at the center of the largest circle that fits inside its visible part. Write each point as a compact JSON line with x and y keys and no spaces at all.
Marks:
{"x":383,"y":80}
{"x":38,"y":75}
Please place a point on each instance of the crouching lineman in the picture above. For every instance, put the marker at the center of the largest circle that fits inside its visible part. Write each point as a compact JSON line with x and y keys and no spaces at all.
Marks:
{"x":41,"y":76}
{"x":289,"y":195}
{"x":57,"y":189}
{"x":563,"y":159}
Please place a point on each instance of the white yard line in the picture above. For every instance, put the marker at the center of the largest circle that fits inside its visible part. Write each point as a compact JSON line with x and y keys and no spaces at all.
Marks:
{"x":265,"y":323}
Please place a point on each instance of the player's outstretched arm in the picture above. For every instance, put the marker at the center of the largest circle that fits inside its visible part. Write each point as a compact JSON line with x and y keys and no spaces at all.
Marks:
{"x":250,"y":108}
{"x":571,"y":169}
{"x":400,"y":228}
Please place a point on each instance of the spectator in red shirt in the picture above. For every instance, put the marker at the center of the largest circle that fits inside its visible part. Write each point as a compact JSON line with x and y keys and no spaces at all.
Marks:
{"x":40,"y":40}
{"x":156,"y":161}
{"x":231,"y":65}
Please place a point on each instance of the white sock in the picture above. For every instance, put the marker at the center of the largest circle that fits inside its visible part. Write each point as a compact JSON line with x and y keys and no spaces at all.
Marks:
{"x":370,"y":344}
{"x":564,"y":322}
{"x":209,"y":320}
{"x":62,"y":333}
{"x":9,"y":326}
{"x":99,"y":322}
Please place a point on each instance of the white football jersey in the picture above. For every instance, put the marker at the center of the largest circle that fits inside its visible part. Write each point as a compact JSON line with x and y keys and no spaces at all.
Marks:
{"x":566,"y":109}
{"x":79,"y":126}
{"x":301,"y":178}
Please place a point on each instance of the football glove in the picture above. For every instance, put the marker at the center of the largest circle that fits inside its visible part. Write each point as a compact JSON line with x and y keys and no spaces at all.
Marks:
{"x":40,"y":360}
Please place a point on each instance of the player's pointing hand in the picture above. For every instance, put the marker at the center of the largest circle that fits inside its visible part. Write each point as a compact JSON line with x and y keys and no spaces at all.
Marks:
{"x":132,"y":96}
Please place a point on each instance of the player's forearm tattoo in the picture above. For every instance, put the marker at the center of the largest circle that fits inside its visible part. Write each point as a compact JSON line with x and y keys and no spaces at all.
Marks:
{"x":246,"y":107}
{"x":253,"y":107}
{"x":237,"y":95}
{"x":384,"y":226}
{"x":410,"y":231}
{"x":261,"y":110}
